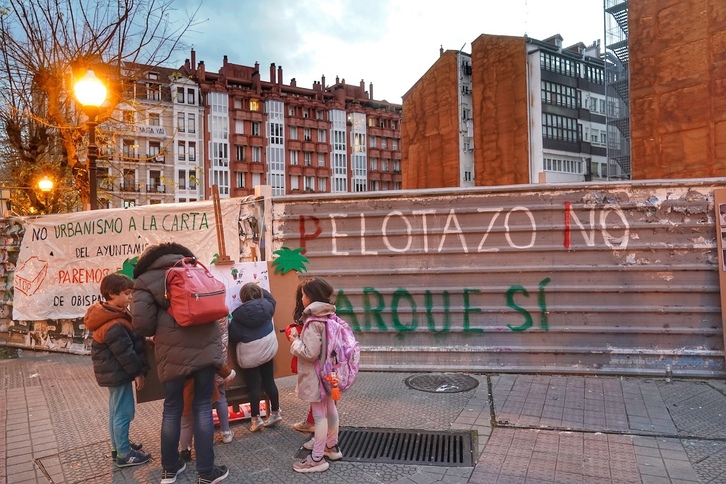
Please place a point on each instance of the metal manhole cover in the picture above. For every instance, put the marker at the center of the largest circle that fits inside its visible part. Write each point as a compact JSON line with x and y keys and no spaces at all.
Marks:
{"x":442,"y":382}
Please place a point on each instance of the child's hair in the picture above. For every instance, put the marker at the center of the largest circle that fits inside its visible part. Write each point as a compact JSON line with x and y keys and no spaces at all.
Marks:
{"x":317,"y":289}
{"x":250,"y":291}
{"x":115,"y":284}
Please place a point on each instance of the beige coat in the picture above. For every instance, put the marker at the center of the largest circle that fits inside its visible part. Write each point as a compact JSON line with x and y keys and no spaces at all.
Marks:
{"x":309,"y":347}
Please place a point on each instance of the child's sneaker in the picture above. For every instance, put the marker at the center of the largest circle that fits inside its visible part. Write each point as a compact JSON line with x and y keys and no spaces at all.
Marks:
{"x":133,"y":446}
{"x":304,"y":426}
{"x":308,"y":445}
{"x":186,"y":454}
{"x":218,"y":474}
{"x":256,"y":424}
{"x":133,"y":458}
{"x":310,"y":465}
{"x":168,"y":476}
{"x":227,"y":436}
{"x":273,"y":419}
{"x":333,"y":453}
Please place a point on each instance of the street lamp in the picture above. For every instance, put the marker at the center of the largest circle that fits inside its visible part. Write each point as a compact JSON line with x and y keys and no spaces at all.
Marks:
{"x":45,"y":185}
{"x":91,"y":93}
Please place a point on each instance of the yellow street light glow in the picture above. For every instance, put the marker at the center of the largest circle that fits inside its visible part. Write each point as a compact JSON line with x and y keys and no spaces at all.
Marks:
{"x":89,"y":90}
{"x":45,"y":185}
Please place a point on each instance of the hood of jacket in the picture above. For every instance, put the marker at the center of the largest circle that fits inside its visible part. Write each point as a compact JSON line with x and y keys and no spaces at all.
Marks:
{"x":318,"y":309}
{"x":101,"y":316}
{"x":149,"y":259}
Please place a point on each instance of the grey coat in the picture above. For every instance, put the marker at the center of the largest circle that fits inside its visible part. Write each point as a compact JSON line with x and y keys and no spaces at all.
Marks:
{"x":179,"y":350}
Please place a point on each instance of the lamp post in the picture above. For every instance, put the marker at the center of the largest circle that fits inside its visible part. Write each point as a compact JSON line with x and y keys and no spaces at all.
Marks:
{"x":91,"y":93}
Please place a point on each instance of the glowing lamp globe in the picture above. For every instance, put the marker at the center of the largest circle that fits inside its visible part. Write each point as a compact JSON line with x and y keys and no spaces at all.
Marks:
{"x":45,"y":185}
{"x":89,"y":90}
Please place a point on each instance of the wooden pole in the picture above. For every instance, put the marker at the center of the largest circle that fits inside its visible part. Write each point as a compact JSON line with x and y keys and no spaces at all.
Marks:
{"x":222,"y":257}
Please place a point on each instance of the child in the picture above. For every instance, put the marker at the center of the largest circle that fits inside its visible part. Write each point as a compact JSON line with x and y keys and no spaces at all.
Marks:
{"x":222,"y":378}
{"x":118,"y":360}
{"x":308,"y":346}
{"x":253,"y":332}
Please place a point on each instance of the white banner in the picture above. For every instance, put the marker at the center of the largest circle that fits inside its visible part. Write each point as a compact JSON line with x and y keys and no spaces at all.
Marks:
{"x":63,"y":257}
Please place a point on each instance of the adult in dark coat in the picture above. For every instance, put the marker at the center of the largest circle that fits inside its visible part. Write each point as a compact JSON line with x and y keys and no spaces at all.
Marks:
{"x":181,"y":353}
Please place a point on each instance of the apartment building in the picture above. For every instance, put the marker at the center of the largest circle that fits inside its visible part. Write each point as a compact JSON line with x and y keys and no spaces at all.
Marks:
{"x":514,"y":111}
{"x":327,"y":138}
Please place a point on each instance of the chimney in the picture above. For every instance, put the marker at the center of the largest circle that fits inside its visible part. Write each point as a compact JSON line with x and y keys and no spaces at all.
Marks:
{"x":186,"y":64}
{"x":441,"y":51}
{"x":279,"y":75}
{"x":200,"y":70}
{"x":272,"y":73}
{"x":322,"y":81}
{"x":224,"y":61}
{"x":371,"y":91}
{"x":293,"y":82}
{"x":194,"y":58}
{"x":337,"y":80}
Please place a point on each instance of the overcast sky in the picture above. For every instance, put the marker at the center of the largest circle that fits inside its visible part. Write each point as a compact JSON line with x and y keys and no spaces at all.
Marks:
{"x":390,"y":43}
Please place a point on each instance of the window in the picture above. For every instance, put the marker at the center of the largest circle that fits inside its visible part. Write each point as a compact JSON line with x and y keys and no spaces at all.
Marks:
{"x":153,"y":92}
{"x":192,"y":181}
{"x":563,"y":166}
{"x":374,"y":164}
{"x":593,"y":104}
{"x":256,"y":154}
{"x":293,"y":157}
{"x":322,"y":184}
{"x":371,"y":122}
{"x":393,"y":124}
{"x":384,"y":165}
{"x":192,"y":123}
{"x":309,"y":183}
{"x":291,"y":110}
{"x":394,"y":144}
{"x":240,"y":150}
{"x":602,"y":106}
{"x":190,"y":96}
{"x":322,"y":136}
{"x":560,"y":65}
{"x":255,"y":128}
{"x":129,"y":149}
{"x":294,"y":182}
{"x":559,"y":95}
{"x":603,"y":137}
{"x":129,"y":116}
{"x":237,"y":103}
{"x":180,"y":123}
{"x":319,"y":114}
{"x":594,"y":74}
{"x":306,"y":131}
{"x":154,"y":119}
{"x":180,"y":95}
{"x":275,"y":133}
{"x":181,"y":151}
{"x":240,"y":180}
{"x":256,"y":179}
{"x":306,"y":112}
{"x":559,"y":128}
{"x":182,"y":174}
{"x":239,"y":126}
{"x":308,"y":156}
{"x":192,"y":151}
{"x":321,"y":159}
{"x":154,"y":150}
{"x":293,"y":132}
{"x":254,"y":105}
{"x":384,"y":143}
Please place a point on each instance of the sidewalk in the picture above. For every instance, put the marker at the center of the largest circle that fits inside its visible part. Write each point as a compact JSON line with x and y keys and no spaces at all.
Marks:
{"x":548,"y":429}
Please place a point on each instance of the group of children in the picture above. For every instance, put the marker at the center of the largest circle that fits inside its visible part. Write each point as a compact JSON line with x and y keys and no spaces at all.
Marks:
{"x":119,"y":362}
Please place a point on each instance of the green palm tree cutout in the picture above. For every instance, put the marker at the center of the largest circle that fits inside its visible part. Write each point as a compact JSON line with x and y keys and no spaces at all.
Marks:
{"x":290,"y":260}
{"x":127,"y":268}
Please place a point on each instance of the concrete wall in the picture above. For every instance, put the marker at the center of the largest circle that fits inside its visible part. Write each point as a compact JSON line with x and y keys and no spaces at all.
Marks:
{"x":499,"y":91}
{"x":430,"y":128}
{"x":678,"y":88}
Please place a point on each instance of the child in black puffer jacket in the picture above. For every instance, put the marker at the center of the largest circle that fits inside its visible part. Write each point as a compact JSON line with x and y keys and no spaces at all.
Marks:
{"x":119,"y":360}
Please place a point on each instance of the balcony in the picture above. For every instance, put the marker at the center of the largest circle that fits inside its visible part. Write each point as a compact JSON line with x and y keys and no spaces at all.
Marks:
{"x":156,"y":188}
{"x":322,"y":148}
{"x":294,"y":144}
{"x":308,"y":146}
{"x":128,"y":187}
{"x":374,"y":153}
{"x":257,"y":141}
{"x":294,"y":169}
{"x":257,"y":167}
{"x":396,"y":155}
{"x":156,"y":158}
{"x":239,"y":139}
{"x":323,"y":172}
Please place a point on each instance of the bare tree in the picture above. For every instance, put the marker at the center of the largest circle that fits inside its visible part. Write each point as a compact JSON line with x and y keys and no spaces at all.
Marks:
{"x":44,"y":46}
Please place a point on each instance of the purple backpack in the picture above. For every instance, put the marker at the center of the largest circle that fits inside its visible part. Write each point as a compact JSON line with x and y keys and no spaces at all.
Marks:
{"x":342,"y":354}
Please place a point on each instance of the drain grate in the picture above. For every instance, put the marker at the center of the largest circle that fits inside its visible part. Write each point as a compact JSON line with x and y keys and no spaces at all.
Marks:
{"x":410,"y":447}
{"x":442,"y":382}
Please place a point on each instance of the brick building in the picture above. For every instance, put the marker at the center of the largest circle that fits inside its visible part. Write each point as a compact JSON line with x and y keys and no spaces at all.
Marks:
{"x":468,"y":121}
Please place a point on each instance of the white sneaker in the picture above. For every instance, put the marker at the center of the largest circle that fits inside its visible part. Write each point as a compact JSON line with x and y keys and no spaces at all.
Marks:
{"x":227,"y":436}
{"x":332,"y":453}
{"x":309,"y":465}
{"x":308,"y":445}
{"x":273,"y":419}
{"x":256,"y":424}
{"x":304,"y":426}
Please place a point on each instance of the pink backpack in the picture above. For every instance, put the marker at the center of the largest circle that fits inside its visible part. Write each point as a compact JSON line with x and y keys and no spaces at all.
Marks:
{"x":195,"y":296}
{"x":338,"y":369}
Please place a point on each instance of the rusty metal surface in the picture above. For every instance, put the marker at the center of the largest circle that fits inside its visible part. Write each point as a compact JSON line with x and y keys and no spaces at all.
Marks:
{"x":578,"y":278}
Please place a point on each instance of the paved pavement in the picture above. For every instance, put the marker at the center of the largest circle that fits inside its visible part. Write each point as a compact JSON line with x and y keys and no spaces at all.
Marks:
{"x":537,"y":429}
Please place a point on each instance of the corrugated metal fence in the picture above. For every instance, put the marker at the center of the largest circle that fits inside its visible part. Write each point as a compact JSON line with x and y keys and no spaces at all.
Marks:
{"x":607,"y":279}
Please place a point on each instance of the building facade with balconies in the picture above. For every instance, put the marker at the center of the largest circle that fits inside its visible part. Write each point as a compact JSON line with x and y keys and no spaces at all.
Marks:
{"x":333,"y":138}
